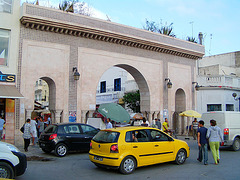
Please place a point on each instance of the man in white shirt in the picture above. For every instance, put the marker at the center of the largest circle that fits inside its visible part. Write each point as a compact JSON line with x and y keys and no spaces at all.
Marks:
{"x":33,"y":130}
{"x":109,"y":124}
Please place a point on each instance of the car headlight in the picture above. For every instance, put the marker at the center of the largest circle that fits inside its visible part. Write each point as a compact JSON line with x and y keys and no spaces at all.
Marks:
{"x":12,"y":148}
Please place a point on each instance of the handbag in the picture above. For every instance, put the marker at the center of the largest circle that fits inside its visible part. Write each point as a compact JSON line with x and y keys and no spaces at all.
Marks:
{"x":22,"y":129}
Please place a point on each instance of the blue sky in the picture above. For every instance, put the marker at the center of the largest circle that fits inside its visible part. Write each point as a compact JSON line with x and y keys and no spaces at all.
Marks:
{"x":218,"y":20}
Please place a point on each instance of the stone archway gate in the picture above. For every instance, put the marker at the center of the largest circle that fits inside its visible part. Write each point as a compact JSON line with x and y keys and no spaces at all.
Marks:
{"x":93,"y":45}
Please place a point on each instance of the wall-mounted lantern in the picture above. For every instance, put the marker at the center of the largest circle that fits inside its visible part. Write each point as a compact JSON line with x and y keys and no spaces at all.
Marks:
{"x":76,"y":74}
{"x":169,"y":84}
{"x":197,"y":87}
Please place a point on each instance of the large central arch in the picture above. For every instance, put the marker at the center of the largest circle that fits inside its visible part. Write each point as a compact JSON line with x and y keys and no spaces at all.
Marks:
{"x":142,"y":84}
{"x":150,"y":88}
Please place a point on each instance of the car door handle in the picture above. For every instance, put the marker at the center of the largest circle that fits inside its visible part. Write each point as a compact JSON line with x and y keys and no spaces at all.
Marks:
{"x":156,"y":145}
{"x":68,"y":136}
{"x":135,"y":146}
{"x":86,"y":137}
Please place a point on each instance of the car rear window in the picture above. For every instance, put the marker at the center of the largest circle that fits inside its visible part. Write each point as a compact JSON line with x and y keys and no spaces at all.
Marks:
{"x":106,"y":137}
{"x":51,"y":129}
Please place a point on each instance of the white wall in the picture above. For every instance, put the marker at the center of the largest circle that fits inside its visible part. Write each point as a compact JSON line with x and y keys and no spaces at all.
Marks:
{"x":10,"y":21}
{"x":215,"y":96}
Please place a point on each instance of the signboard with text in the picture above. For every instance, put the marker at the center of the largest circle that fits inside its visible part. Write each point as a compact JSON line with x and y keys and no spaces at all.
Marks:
{"x":7,"y":77}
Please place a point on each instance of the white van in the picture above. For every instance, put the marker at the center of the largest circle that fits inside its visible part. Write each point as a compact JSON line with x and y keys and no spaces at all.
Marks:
{"x":12,"y":162}
{"x":229,"y":122}
{"x":96,"y":122}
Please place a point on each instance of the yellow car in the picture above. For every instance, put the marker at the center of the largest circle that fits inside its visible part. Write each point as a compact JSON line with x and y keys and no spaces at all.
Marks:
{"x":127,"y":148}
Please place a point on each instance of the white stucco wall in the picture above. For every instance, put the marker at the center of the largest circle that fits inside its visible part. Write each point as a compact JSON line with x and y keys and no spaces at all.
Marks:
{"x":41,"y":59}
{"x":10,"y":21}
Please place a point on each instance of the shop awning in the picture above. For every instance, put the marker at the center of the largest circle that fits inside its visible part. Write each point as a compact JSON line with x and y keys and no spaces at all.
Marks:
{"x":9,"y":91}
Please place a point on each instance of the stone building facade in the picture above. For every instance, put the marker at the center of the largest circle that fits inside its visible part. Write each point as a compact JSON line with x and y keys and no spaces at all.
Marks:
{"x":53,"y":42}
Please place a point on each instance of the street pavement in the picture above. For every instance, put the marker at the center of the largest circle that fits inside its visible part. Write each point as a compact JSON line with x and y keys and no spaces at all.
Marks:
{"x":77,"y":166}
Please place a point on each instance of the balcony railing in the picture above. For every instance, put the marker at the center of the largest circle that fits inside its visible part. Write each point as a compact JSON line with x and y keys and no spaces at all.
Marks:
{"x":228,"y":81}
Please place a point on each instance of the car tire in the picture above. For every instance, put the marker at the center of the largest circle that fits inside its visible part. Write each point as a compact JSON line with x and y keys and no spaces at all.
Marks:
{"x":181,"y":156}
{"x":61,"y":150}
{"x":6,"y":171}
{"x":128,"y":165}
{"x":236,"y":144}
{"x":46,"y":150}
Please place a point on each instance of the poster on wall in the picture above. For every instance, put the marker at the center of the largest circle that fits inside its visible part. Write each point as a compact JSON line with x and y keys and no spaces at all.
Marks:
{"x":72,"y":116}
{"x":10,"y":104}
{"x":165,"y":114}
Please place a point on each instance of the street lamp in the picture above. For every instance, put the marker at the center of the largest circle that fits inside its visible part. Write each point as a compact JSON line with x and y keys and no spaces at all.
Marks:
{"x":234,"y":95}
{"x":197,"y":87}
{"x":76,"y":74}
{"x":169,"y":84}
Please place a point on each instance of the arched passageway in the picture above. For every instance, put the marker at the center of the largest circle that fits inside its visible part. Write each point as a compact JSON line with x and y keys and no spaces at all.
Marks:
{"x":142,"y":84}
{"x":180,"y":105}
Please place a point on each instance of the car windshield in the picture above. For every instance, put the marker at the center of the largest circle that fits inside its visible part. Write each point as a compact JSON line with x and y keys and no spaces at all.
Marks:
{"x":50,"y":129}
{"x":106,"y":137}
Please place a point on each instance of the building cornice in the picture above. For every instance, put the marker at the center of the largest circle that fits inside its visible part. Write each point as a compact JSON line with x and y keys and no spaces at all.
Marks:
{"x":79,"y":30}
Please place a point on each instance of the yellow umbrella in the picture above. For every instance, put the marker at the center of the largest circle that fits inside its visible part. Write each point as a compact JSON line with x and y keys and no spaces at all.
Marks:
{"x":191,"y":113}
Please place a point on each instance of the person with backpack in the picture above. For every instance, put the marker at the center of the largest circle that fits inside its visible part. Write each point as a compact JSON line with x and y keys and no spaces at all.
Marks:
{"x":27,"y":134}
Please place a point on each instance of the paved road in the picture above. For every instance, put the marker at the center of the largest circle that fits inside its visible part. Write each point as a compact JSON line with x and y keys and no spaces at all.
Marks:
{"x":77,"y":166}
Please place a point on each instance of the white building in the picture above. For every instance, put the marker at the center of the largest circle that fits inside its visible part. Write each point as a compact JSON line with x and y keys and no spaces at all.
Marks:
{"x":113,"y":84}
{"x":219,"y":78}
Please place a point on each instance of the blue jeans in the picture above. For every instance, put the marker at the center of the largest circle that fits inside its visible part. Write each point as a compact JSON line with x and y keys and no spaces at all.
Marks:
{"x":203,"y":153}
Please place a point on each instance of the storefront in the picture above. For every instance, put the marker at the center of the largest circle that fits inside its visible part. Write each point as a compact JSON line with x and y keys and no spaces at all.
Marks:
{"x":8,"y":97}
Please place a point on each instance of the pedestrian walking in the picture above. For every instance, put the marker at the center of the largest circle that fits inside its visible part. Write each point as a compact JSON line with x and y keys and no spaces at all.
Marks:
{"x":27,"y":134}
{"x":215,"y":136}
{"x":195,"y":128}
{"x":202,"y":143}
{"x":2,"y":122}
{"x":158,"y":123}
{"x":49,"y":120}
{"x":165,"y":127}
{"x":109,"y":124}
{"x":144,"y":122}
{"x":33,"y":131}
{"x":40,"y":126}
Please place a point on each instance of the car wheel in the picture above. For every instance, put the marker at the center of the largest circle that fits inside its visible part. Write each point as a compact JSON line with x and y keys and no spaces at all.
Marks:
{"x":46,"y":150}
{"x":61,"y":150}
{"x":181,"y":156}
{"x":236,"y":144}
{"x":6,"y":171}
{"x":128,"y":165}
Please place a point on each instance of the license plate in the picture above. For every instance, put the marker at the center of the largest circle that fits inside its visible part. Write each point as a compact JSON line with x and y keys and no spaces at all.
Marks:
{"x":98,"y":158}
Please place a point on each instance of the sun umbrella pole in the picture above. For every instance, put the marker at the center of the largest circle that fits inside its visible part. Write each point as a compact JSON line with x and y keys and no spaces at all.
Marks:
{"x":187,"y":137}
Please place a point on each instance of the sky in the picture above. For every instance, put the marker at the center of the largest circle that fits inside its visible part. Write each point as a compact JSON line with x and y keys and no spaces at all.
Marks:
{"x":218,"y":20}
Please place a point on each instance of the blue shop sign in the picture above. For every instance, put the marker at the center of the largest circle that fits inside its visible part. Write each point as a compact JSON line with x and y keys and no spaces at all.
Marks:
{"x":7,"y":77}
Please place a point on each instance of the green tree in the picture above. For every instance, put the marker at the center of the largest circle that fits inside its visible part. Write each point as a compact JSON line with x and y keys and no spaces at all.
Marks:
{"x":67,"y":6}
{"x":191,"y":39}
{"x":75,"y":7}
{"x":133,"y":100}
{"x":162,"y":29}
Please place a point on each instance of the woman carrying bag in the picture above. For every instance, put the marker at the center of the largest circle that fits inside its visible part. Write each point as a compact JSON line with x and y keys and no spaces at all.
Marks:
{"x":27,"y":134}
{"x":215,"y":136}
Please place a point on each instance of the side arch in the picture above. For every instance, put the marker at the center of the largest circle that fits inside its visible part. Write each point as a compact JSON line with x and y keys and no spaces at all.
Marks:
{"x":180,"y":106}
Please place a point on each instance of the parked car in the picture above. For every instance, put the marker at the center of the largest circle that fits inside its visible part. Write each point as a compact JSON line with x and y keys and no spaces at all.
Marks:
{"x":127,"y":148}
{"x":12,"y":162}
{"x":65,"y":137}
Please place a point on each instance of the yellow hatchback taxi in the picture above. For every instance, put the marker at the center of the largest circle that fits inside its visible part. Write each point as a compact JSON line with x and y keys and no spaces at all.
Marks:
{"x":127,"y":148}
